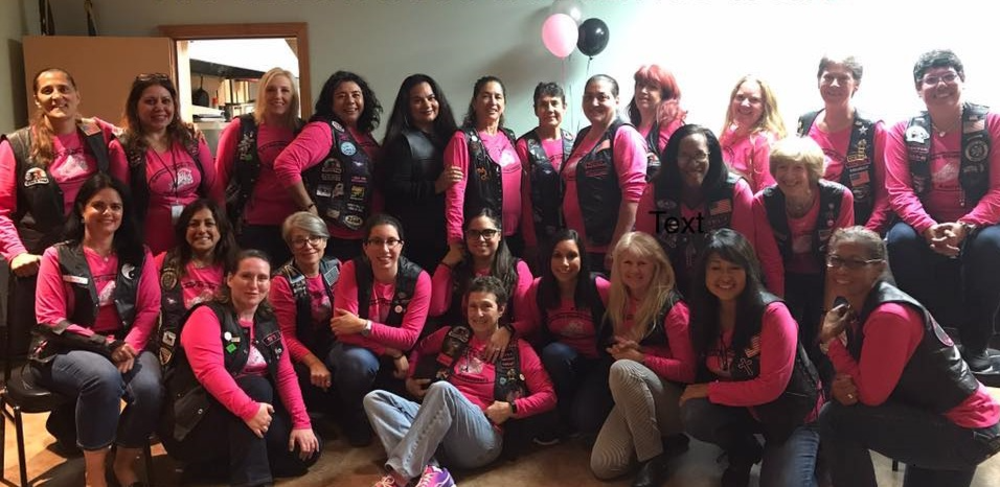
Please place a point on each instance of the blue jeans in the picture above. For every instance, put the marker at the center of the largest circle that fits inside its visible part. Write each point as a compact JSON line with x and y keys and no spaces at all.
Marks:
{"x":99,"y":388}
{"x":936,"y":451}
{"x":446,"y":425}
{"x":789,"y":464}
{"x":354,"y":371}
{"x":581,"y":385}
{"x":963,"y":293}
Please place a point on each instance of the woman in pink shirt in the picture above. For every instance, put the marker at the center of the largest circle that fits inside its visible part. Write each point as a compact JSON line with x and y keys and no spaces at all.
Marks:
{"x":542,"y":151}
{"x":605,"y":175}
{"x":41,"y":169}
{"x":381,"y":306}
{"x":854,"y":144}
{"x":483,"y":149}
{"x":471,"y":407}
{"x":943,"y":178}
{"x":193,"y":271}
{"x":655,"y":111}
{"x":646,"y":333}
{"x":237,"y":405}
{"x":902,"y":389}
{"x":164,"y":159}
{"x":302,"y":296}
{"x":97,"y":305}
{"x":256,"y":202}
{"x":695,"y":193}
{"x":753,"y":123}
{"x":761,"y":378}
{"x":329,"y":169}
{"x":799,"y":214}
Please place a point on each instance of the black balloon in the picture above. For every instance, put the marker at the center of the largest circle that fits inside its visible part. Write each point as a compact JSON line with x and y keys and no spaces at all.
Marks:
{"x":594,"y":36}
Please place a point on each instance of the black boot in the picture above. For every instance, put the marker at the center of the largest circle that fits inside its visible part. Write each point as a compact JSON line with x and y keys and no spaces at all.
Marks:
{"x":741,"y":460}
{"x":652,"y":472}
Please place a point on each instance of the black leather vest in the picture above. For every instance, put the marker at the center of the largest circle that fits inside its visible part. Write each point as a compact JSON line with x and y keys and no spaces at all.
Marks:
{"x":597,"y":187}
{"x":342,"y":185}
{"x":39,"y":217}
{"x":509,"y":383}
{"x":684,"y":247}
{"x":859,"y":164}
{"x":424,"y":217}
{"x":546,"y":185}
{"x":653,"y":151}
{"x":407,"y":274}
{"x":75,"y":270}
{"x":831,"y":195}
{"x":172,"y":307}
{"x":484,"y":188}
{"x":316,"y":336}
{"x":140,"y":185}
{"x":974,"y":172}
{"x":936,"y":364}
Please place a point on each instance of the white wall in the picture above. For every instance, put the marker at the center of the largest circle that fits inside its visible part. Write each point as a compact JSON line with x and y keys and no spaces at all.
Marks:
{"x":707,"y":43}
{"x":12,"y":27}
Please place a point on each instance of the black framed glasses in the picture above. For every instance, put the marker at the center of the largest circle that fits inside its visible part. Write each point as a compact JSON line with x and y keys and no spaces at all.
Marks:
{"x":486,"y":234}
{"x":835,"y":261}
{"x":389,"y":242}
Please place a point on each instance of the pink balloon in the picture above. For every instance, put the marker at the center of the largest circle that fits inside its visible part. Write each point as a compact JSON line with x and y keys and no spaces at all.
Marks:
{"x":559,"y":34}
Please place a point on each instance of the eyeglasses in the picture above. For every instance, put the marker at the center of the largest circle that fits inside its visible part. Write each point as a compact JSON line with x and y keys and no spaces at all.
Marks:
{"x":699,"y":159}
{"x":313,"y":240}
{"x":487,"y":234}
{"x":379,"y":242}
{"x":947,"y":78}
{"x":835,"y":261}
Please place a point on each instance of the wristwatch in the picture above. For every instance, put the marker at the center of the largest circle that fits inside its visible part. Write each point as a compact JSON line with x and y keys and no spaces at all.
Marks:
{"x":367,"y":330}
{"x":969,"y":227}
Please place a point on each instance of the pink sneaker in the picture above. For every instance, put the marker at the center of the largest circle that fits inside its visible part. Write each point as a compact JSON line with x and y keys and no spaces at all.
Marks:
{"x":436,"y":477}
{"x":387,"y":481}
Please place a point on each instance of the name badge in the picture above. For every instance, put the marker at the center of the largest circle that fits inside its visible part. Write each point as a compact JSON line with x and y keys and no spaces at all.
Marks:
{"x":75,"y":279}
{"x":175,"y":213}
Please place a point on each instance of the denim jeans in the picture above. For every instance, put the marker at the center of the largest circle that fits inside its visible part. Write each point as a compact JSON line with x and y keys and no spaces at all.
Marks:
{"x":788,"y":464}
{"x":581,"y":385}
{"x":221,"y":438}
{"x":961,"y":293}
{"x":355,"y":370}
{"x":99,"y":388}
{"x":446,"y":425}
{"x":936,"y":451}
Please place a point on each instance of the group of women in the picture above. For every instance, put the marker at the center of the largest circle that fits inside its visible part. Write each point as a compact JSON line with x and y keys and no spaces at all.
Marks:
{"x":742,"y":302}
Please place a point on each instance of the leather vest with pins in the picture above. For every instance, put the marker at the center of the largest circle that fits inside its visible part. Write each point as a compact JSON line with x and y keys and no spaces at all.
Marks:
{"x":974,"y":171}
{"x":508,"y":384}
{"x":598,"y":190}
{"x":936,"y":364}
{"x":717,"y":212}
{"x":546,"y":185}
{"x":342,"y":184}
{"x":484,"y":187}
{"x":789,"y":411}
{"x":40,"y":217}
{"x":407,"y":274}
{"x":316,"y":336}
{"x":831,"y":196}
{"x":172,"y":306}
{"x":859,"y":164}
{"x":137,"y":174}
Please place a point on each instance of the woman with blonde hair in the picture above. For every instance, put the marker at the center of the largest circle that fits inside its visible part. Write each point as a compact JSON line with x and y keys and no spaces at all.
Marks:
{"x":646,"y":332}
{"x":752,"y":125}
{"x":256,"y":202}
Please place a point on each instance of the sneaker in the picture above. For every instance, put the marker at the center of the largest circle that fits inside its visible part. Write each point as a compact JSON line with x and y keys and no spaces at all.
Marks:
{"x":436,"y":477}
{"x":546,"y":437}
{"x":652,"y":472}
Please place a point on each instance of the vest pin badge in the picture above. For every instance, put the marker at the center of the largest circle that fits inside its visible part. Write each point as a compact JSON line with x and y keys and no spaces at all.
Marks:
{"x":337,"y":126}
{"x":977,"y":151}
{"x":34,"y":177}
{"x":348,"y":149}
{"x":231,"y":348}
{"x":398,"y":309}
{"x":227,"y":336}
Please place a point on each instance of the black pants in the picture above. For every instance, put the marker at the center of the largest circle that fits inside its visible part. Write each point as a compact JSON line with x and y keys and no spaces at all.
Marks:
{"x":20,"y":309}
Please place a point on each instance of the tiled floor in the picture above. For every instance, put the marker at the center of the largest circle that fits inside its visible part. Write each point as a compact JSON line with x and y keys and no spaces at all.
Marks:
{"x":562,"y":465}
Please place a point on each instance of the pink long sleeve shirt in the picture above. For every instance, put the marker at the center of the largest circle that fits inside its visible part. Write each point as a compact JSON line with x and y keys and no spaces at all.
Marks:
{"x":202,"y":342}
{"x":943,"y":200}
{"x":676,"y":360}
{"x":553,"y":149}
{"x":173,"y":180}
{"x":71,"y":166}
{"x":443,"y":284}
{"x":666,"y":130}
{"x":835,"y":146}
{"x":269,"y":203}
{"x":503,"y":154}
{"x":310,"y":148}
{"x":892,"y":333}
{"x":629,"y":160}
{"x":475,"y":378}
{"x":569,"y":324}
{"x":55,"y":299}
{"x":383,"y":336}
{"x":286,"y":309}
{"x":749,"y":156}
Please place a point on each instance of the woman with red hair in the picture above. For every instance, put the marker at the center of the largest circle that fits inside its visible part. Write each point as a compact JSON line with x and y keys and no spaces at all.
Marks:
{"x":655,"y":110}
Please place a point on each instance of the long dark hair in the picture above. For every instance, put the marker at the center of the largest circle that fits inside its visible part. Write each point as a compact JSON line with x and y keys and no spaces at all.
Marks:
{"x":669,"y":176}
{"x":225,"y":249}
{"x":548,"y":288}
{"x":504,"y":266}
{"x":371,"y":113}
{"x":470,"y":116}
{"x":178,"y":130}
{"x":126,"y":242}
{"x":399,"y":119}
{"x":732,"y":247}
